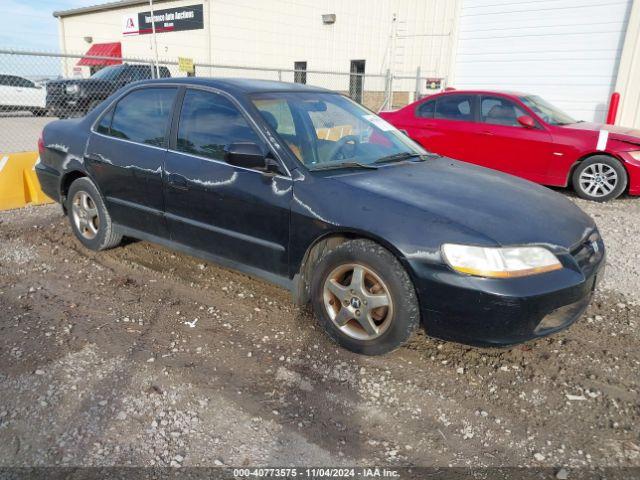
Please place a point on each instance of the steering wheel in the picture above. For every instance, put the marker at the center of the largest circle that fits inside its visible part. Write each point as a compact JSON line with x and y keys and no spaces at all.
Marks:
{"x":340,"y":144}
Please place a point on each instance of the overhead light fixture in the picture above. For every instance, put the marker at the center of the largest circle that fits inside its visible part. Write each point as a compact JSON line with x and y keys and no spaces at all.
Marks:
{"x":329,"y":18}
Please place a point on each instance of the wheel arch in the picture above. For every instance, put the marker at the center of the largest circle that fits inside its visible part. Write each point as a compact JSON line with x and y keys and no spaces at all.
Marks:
{"x":326,"y":241}
{"x":572,"y":169}
{"x":65,"y":183}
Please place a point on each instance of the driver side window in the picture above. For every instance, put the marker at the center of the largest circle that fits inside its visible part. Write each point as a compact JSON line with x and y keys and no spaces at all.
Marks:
{"x":279,"y":117}
{"x":209,"y":122}
{"x":500,"y":111}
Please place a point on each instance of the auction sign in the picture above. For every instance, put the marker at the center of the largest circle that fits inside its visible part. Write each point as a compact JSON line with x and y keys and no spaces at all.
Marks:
{"x":167,"y":20}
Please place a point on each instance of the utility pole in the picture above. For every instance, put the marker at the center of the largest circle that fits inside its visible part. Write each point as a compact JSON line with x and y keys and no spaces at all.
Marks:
{"x":391,"y":53}
{"x":155,"y":40}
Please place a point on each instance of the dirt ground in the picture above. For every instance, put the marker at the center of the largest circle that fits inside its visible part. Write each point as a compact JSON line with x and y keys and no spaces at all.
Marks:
{"x":141,"y":356}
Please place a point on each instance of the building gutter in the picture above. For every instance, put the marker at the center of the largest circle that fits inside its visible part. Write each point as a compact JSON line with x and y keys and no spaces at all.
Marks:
{"x":103,"y":7}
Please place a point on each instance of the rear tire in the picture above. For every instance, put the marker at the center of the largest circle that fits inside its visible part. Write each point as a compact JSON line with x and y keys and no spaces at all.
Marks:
{"x":599,"y":178}
{"x":364,"y":298}
{"x":89,"y":218}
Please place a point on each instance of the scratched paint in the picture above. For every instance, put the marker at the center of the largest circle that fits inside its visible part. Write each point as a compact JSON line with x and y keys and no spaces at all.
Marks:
{"x":217,"y":183}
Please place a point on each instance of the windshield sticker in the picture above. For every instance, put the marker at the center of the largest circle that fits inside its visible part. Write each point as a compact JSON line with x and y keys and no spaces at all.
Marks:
{"x":603,"y":136}
{"x":379,"y":122}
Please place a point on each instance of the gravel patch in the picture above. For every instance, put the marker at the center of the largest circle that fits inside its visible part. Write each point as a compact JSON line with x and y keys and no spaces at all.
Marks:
{"x":142,"y":356}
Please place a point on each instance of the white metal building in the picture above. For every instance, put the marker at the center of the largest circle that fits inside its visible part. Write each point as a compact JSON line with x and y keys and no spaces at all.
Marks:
{"x":567,"y":51}
{"x":329,"y":35}
{"x":574,"y":53}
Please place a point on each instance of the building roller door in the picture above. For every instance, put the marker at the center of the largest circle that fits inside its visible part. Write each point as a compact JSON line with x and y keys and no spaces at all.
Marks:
{"x":566,"y":51}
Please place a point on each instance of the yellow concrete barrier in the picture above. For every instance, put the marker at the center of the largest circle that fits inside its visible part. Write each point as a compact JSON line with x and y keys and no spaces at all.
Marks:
{"x":19,"y":184}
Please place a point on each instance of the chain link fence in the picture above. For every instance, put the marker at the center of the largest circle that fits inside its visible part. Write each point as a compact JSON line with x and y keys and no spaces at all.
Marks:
{"x":37,"y":87}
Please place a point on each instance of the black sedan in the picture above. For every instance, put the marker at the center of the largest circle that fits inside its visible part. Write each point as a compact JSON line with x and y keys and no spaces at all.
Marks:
{"x":307,"y":189}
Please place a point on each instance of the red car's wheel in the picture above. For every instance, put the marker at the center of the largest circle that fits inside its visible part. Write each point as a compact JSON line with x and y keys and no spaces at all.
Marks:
{"x":600,"y":178}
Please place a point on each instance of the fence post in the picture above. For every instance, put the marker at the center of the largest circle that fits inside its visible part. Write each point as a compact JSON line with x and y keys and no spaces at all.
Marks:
{"x":417,"y":92}
{"x":388,"y":91}
{"x":279,"y":75}
{"x":154,"y":74}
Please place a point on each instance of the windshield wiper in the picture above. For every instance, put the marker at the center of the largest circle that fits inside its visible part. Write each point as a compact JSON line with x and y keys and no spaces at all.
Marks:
{"x":332,"y":166}
{"x":398,"y":157}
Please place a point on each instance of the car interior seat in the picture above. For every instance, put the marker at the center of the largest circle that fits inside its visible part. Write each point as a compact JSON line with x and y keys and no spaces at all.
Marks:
{"x":502,"y":115}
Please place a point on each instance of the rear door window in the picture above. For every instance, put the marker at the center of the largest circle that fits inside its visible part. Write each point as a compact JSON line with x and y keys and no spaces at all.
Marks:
{"x":209,"y":122}
{"x":455,"y":107}
{"x":426,"y":109}
{"x":22,"y":82}
{"x":143,"y":116}
{"x":105,"y":123}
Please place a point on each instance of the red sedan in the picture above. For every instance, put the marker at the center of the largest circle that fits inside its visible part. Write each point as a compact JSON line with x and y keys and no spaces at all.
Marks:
{"x":525,"y":136}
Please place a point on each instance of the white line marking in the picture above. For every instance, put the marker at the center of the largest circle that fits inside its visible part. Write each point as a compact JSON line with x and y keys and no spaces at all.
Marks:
{"x":3,"y":162}
{"x":603,"y":136}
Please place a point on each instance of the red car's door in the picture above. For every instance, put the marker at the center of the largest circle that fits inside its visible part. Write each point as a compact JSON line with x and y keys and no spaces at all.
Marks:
{"x":446,"y":125}
{"x":510,"y":147}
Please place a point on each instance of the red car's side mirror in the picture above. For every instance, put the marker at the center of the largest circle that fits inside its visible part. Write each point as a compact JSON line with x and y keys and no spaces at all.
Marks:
{"x":526,"y":121}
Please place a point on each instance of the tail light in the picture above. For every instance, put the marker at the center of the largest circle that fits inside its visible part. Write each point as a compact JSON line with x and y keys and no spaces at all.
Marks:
{"x":41,"y":145}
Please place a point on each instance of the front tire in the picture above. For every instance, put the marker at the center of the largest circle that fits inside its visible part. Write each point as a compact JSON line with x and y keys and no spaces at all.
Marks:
{"x":364,"y":298}
{"x":599,"y":178}
{"x":89,"y":218}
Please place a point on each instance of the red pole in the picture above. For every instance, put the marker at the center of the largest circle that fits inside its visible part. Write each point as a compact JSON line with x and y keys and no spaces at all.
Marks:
{"x":613,"y":108}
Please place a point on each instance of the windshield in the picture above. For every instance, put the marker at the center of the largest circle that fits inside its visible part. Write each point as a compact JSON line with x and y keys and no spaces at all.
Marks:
{"x":546,"y":111}
{"x":107,"y":73}
{"x":326,"y":130}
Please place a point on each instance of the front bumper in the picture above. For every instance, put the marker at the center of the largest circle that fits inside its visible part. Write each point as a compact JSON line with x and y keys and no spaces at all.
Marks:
{"x":633,"y":170}
{"x":501,"y":312}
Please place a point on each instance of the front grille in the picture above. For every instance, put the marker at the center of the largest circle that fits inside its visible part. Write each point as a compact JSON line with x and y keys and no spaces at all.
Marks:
{"x":589,"y":250}
{"x":55,"y":88}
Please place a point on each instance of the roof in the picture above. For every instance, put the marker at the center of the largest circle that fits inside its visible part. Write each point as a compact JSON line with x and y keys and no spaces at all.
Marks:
{"x":476,"y":91}
{"x":243,"y":85}
{"x":102,"y":7}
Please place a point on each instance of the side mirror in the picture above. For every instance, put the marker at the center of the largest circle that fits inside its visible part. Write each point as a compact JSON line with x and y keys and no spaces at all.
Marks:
{"x":526,"y":121}
{"x":245,"y":154}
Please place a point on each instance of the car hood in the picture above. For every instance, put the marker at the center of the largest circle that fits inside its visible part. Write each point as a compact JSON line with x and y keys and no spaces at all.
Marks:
{"x":623,"y":134}
{"x":500,"y":207}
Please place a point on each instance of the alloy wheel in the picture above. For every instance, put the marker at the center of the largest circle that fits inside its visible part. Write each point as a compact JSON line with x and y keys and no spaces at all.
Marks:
{"x":358,"y":301}
{"x":598,"y":180}
{"x":85,"y":215}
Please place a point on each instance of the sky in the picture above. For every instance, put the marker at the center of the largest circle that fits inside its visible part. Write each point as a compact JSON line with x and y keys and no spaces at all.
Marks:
{"x":30,"y":25}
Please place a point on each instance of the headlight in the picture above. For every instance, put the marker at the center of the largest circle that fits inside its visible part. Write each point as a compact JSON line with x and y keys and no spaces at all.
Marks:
{"x":72,"y":89}
{"x":635,"y":155}
{"x":505,"y":262}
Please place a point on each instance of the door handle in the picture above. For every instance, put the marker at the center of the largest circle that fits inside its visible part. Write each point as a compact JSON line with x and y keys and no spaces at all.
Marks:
{"x":177,"y":181}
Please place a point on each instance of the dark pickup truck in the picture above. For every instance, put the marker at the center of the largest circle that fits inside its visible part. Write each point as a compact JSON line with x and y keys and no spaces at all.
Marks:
{"x":77,"y":97}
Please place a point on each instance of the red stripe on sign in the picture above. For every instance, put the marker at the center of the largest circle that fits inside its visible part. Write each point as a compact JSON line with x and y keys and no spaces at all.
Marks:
{"x":158,"y":29}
